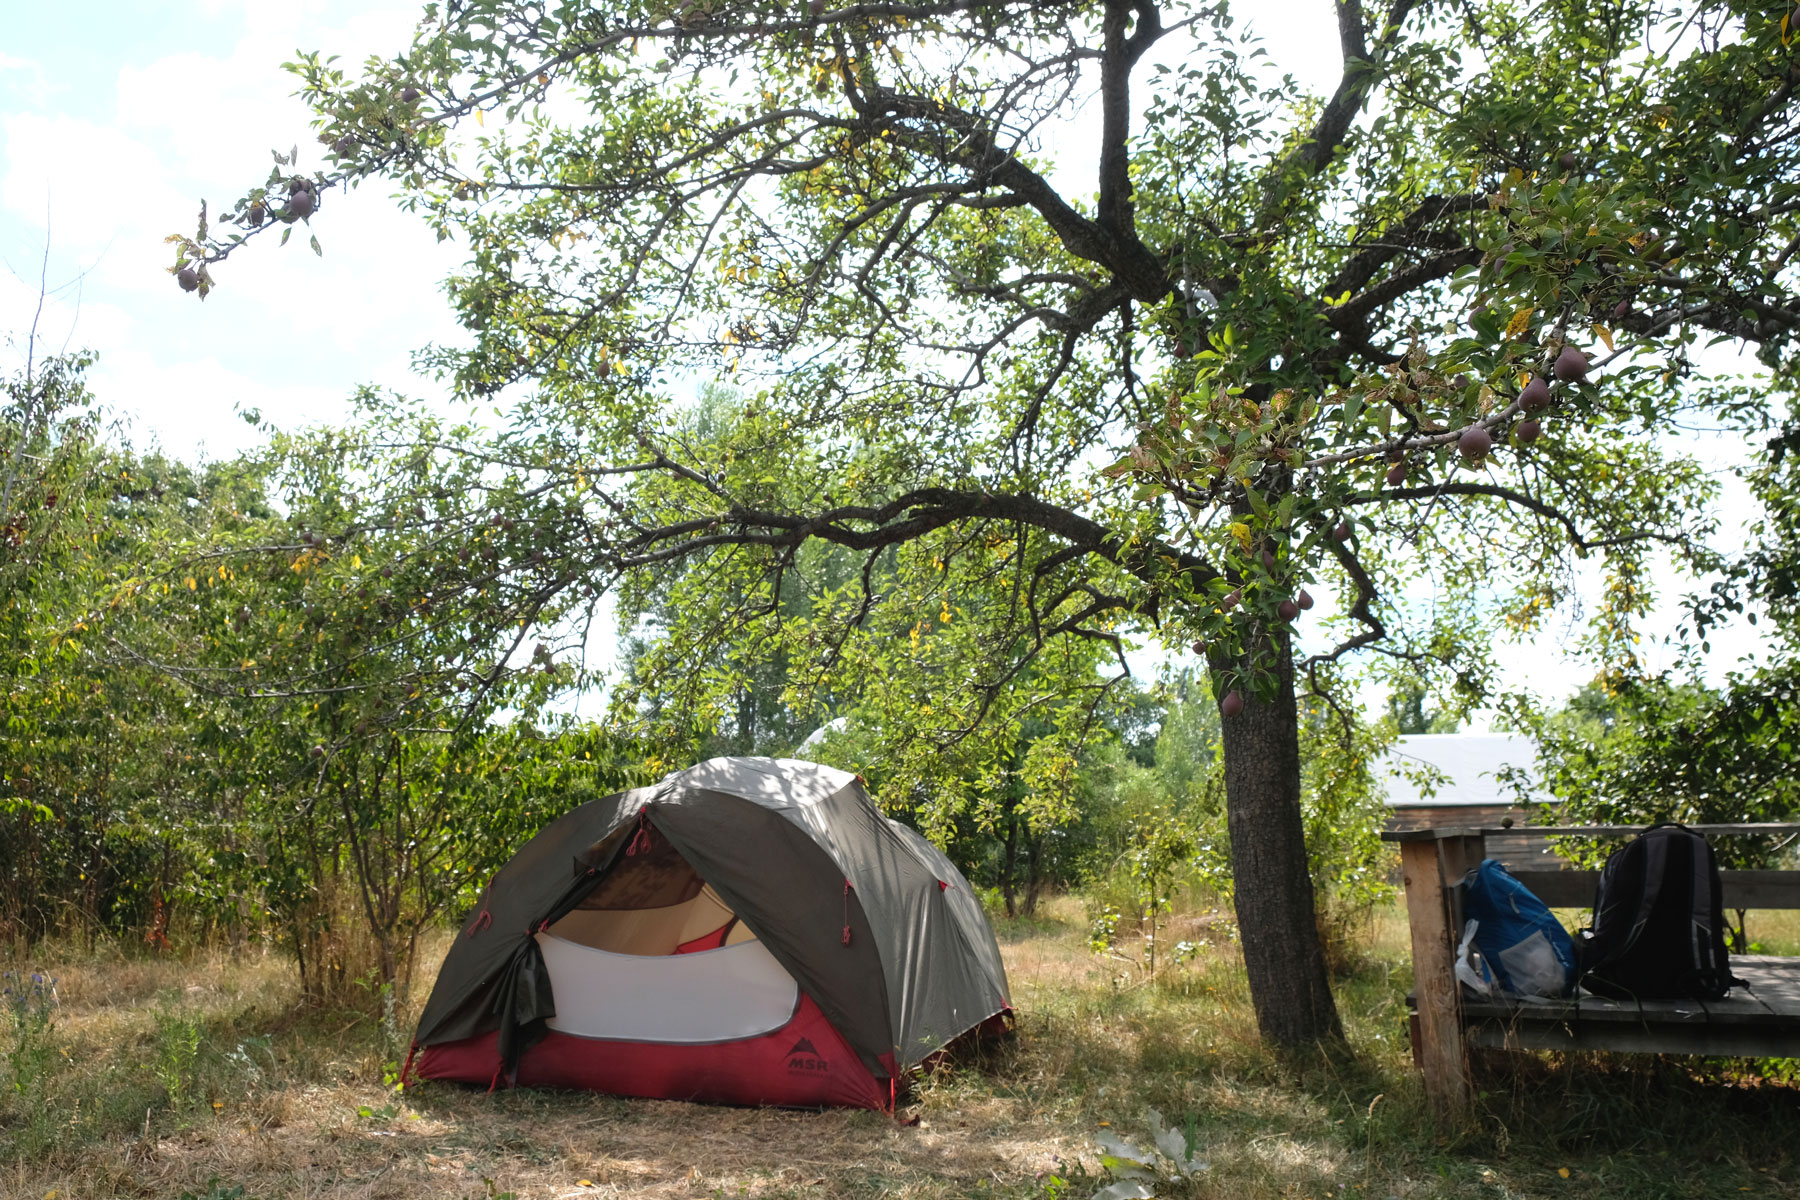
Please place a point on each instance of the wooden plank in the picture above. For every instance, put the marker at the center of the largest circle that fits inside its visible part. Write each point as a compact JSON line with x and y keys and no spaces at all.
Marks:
{"x":1742,"y":889}
{"x":1626,"y":830}
{"x":1725,"y":1040}
{"x":1457,"y":856}
{"x":1506,"y":1010}
{"x":1774,"y":981}
{"x":1671,"y":1014}
{"x":1743,"y":1006}
{"x":1403,"y":836}
{"x":1761,"y":889}
{"x":1559,"y":889}
{"x":1441,"y":1055}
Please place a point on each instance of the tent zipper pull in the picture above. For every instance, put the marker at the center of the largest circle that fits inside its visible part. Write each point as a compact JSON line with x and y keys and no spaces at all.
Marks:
{"x":846,"y":912}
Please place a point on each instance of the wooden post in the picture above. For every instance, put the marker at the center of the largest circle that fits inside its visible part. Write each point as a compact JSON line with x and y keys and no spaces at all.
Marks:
{"x":1441,"y":1054}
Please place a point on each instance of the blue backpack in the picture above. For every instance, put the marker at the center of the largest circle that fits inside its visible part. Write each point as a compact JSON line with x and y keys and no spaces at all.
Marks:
{"x":1523,"y":947}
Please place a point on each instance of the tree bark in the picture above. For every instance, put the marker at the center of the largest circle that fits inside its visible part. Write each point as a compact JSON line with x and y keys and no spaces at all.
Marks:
{"x":1009,"y":855}
{"x":1290,"y":988}
{"x":1034,"y":882}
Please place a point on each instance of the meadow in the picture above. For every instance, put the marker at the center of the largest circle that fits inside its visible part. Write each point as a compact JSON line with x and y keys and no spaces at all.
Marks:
{"x":202,"y":1075}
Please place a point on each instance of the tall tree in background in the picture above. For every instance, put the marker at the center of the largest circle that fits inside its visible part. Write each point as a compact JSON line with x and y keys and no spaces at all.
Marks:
{"x":962,"y":256}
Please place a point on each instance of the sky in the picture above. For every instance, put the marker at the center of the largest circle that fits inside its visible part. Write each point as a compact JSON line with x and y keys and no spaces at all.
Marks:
{"x":118,"y":116}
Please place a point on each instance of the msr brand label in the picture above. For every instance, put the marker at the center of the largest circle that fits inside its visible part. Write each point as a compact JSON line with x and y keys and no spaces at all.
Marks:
{"x":805,"y":1057}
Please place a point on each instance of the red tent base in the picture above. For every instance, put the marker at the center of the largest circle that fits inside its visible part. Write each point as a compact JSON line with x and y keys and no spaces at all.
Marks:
{"x":804,"y":1064}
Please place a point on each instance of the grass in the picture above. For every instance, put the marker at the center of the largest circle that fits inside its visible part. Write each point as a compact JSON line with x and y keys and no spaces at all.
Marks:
{"x":204,"y":1077}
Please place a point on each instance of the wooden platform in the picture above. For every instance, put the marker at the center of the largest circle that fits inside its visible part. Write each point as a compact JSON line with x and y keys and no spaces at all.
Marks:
{"x":1760,"y":1021}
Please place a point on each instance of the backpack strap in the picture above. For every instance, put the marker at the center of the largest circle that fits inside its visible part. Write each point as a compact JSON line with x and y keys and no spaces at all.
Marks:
{"x":1656,"y":858}
{"x":1711,"y":957}
{"x":1704,"y":939}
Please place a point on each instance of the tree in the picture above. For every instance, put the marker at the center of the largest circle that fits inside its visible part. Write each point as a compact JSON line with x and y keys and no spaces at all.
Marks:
{"x":1303,"y":326}
{"x":1406,"y":709}
{"x":1635,"y":748}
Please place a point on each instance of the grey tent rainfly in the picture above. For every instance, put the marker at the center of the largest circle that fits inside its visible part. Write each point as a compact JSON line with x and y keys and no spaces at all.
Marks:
{"x":749,"y":930}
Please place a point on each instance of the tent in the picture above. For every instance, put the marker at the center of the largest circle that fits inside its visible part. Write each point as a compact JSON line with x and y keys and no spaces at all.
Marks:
{"x":749,"y":930}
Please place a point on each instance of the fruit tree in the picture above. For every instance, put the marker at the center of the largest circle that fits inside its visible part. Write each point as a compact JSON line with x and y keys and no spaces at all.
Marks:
{"x":1086,"y":309}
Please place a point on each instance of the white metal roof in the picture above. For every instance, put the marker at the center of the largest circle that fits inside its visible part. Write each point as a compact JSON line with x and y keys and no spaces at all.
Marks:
{"x":1469,"y":764}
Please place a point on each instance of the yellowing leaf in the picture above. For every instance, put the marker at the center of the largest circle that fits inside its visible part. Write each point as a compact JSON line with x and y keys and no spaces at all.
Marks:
{"x":480,"y":117}
{"x":1563,"y":1171}
{"x":192,"y":586}
{"x":1519,"y":321}
{"x":1604,"y":334}
{"x":1241,"y":532}
{"x":584,"y":1183}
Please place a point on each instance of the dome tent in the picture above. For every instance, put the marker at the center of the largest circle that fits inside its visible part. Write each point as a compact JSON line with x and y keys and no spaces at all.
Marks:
{"x":749,"y":930}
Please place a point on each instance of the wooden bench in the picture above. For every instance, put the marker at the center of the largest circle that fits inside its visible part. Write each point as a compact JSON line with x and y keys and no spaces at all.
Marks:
{"x":1762,"y":1020}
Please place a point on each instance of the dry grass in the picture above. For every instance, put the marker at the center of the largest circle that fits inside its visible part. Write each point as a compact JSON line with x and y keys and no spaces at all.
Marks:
{"x":287,"y":1102}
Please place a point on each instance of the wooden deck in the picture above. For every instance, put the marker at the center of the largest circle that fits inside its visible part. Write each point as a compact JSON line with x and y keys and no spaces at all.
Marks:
{"x":1758,"y":1021}
{"x":1761,"y":1021}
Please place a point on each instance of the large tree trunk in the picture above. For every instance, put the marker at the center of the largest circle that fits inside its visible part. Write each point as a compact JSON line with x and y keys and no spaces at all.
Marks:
{"x":1289,"y":986}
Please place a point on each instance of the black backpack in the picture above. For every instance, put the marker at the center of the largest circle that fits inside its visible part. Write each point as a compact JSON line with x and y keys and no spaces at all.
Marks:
{"x":1659,"y":927}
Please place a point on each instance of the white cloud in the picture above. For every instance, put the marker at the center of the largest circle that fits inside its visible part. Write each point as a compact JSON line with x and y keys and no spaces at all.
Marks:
{"x":91,"y":182}
{"x":192,"y":407}
{"x":288,"y":332}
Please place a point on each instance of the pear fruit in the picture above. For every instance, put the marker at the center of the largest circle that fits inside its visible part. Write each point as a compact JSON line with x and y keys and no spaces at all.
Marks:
{"x":1231,"y":704}
{"x":1528,"y":431}
{"x":1475,"y":443}
{"x":188,"y":278}
{"x":1536,"y":396}
{"x":1304,"y":600}
{"x":1396,"y":474}
{"x":1342,"y":532}
{"x":1571,"y":365}
{"x":1287,"y":610}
